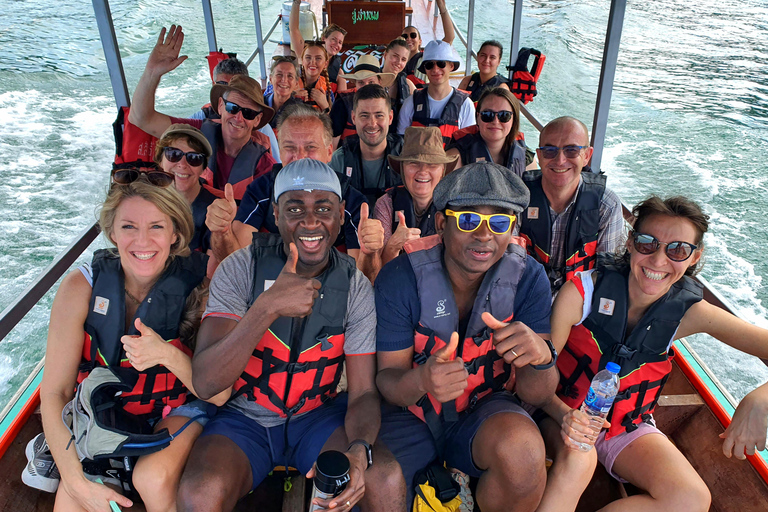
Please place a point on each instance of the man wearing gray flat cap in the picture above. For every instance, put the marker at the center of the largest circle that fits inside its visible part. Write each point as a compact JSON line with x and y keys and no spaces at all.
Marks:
{"x":471,"y":310}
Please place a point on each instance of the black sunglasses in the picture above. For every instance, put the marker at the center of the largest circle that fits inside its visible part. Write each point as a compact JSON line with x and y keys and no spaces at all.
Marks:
{"x":174,"y":155}
{"x":248,"y":113}
{"x":153,"y":176}
{"x":431,"y":63}
{"x":412,"y":35}
{"x":675,"y":251}
{"x":568,"y":151}
{"x":504,"y":116}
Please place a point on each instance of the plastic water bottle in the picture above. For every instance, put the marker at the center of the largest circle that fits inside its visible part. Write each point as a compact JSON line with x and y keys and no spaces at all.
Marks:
{"x":600,"y":398}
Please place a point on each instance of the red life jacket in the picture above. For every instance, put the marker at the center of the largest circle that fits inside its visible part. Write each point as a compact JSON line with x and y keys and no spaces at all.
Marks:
{"x":581,"y":234}
{"x":448,"y":122}
{"x":297,"y":364}
{"x":215,"y":57}
{"x":162,"y":310}
{"x":523,"y":82}
{"x":472,"y":148}
{"x":132,"y":144}
{"x":440,"y":318}
{"x":410,"y":70}
{"x":244,"y":169}
{"x":322,"y":84}
{"x":643,"y":355}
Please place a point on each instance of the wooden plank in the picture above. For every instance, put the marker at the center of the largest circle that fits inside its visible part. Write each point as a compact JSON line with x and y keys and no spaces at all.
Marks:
{"x":295,"y":500}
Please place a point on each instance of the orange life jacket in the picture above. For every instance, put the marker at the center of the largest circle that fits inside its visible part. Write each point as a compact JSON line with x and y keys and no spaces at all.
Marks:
{"x":297,"y":363}
{"x":132,"y":144}
{"x":440,"y":318}
{"x":643,"y":355}
{"x":162,"y":310}
{"x":523,"y":82}
{"x":580,"y":245}
{"x":448,"y":122}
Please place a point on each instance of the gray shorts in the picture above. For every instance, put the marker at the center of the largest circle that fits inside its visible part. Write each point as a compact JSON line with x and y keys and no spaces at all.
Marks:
{"x":607,"y":451}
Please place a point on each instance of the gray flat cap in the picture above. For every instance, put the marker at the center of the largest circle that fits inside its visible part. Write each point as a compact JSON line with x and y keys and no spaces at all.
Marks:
{"x":482,"y":184}
{"x":306,"y":174}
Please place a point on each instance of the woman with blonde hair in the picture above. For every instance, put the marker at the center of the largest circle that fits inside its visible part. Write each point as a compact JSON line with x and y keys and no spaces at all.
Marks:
{"x":135,"y":308}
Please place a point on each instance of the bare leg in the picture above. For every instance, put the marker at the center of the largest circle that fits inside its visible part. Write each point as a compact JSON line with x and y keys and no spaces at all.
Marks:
{"x":652,"y":463}
{"x":156,"y":476}
{"x":570,"y":473}
{"x":217,"y":474}
{"x":510,"y":449}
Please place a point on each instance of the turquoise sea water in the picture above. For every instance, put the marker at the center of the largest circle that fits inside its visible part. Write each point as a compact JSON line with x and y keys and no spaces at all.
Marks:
{"x":689,"y":115}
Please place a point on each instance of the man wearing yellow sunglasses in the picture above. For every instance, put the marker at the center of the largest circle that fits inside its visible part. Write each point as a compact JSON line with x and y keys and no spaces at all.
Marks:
{"x":463,"y":319}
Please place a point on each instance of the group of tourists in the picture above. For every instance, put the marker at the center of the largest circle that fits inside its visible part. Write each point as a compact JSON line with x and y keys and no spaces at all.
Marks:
{"x":385,"y":270}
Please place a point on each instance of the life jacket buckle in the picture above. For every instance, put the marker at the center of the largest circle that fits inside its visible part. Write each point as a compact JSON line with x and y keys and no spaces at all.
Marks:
{"x":481,"y":337}
{"x":624,"y":352}
{"x":324,"y":343}
{"x":420,"y":358}
{"x":297,"y":367}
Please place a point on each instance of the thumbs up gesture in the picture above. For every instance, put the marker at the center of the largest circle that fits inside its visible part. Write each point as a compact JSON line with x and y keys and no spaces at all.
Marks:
{"x":443,"y":375}
{"x":402,"y":234}
{"x":292,"y":295}
{"x":147,"y":349}
{"x":222,"y":212}
{"x":370,"y":232}
{"x":517,"y":343}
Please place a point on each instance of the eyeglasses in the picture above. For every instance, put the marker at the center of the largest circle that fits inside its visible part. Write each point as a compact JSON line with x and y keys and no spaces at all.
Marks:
{"x":412,"y":35}
{"x":504,"y":116}
{"x":248,"y":113}
{"x":568,"y":151}
{"x":431,"y":63}
{"x":675,"y":251}
{"x":153,"y":176}
{"x":498,"y":223}
{"x":174,"y":155}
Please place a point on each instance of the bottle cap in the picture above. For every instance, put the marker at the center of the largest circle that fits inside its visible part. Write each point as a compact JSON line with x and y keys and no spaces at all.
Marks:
{"x":331,"y":472}
{"x":613,"y":367}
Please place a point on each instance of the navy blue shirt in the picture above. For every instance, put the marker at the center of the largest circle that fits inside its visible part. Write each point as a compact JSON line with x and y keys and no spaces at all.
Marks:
{"x":256,"y":209}
{"x":398,"y":309}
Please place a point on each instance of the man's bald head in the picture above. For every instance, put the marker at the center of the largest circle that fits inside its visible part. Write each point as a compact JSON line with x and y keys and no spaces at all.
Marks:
{"x":566,"y":122}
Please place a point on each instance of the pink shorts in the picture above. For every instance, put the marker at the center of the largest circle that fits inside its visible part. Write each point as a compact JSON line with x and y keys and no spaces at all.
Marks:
{"x":607,"y":451}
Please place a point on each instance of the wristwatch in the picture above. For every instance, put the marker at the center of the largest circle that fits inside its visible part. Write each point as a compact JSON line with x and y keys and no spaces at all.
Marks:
{"x":368,"y":450}
{"x":552,"y":362}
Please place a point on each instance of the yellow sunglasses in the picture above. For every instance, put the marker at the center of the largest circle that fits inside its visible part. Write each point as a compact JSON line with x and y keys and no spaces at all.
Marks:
{"x":498,"y":223}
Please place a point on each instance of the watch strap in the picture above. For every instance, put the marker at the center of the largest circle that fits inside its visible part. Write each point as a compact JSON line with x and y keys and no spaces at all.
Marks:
{"x":552,"y":362}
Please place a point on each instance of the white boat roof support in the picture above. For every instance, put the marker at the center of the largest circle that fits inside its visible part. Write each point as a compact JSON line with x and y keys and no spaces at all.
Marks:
{"x":210,"y":29}
{"x":607,"y":75}
{"x":259,"y":39}
{"x":111,"y":52}
{"x":514,"y":43}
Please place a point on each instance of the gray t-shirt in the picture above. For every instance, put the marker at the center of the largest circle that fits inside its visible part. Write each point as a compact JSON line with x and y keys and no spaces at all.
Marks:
{"x":373,"y":177}
{"x":230,"y":293}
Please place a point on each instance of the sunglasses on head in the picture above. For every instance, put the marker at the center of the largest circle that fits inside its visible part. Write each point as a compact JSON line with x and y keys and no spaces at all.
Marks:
{"x":568,"y":151}
{"x":504,"y":116}
{"x":431,"y":63}
{"x":153,"y":176}
{"x":174,"y":155}
{"x":675,"y":251}
{"x":248,"y":113}
{"x":412,"y":35}
{"x":498,"y":223}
